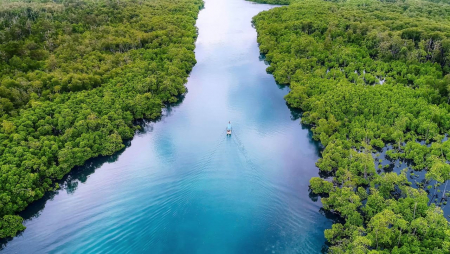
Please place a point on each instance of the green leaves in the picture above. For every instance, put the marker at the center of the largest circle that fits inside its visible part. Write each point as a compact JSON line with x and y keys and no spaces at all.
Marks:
{"x":320,"y":186}
{"x":346,"y":202}
{"x":10,"y":225}
{"x":74,"y":78}
{"x":380,"y":228}
{"x":365,"y":74}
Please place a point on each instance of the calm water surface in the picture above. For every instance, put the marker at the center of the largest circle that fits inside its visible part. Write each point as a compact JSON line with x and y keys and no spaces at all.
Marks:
{"x":182,"y":186}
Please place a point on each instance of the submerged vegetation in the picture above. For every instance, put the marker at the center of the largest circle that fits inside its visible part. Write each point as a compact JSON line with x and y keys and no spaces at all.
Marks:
{"x":73,"y":77}
{"x":368,"y":73}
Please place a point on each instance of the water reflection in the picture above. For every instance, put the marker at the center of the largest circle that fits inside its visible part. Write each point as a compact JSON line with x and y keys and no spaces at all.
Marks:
{"x":385,"y":164}
{"x":69,"y":184}
{"x":80,"y":174}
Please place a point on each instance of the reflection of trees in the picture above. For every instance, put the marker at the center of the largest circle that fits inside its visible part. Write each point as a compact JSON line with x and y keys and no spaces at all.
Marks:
{"x":334,"y":218}
{"x":147,"y":125}
{"x":295,"y":113}
{"x":69,"y":183}
{"x":313,"y":196}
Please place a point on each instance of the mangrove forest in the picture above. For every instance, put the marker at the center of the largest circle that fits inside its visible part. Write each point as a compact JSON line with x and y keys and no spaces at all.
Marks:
{"x":367,"y":74}
{"x":74,"y":75}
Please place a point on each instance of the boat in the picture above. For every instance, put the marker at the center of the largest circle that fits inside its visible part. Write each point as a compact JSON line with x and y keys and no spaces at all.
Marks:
{"x":229,"y":129}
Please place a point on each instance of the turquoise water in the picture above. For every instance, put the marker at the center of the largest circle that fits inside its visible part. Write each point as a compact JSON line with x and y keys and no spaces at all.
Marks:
{"x":181,"y":185}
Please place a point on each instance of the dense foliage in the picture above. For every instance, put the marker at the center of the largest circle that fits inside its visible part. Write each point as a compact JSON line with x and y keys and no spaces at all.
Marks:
{"x":367,"y":73}
{"x":73,"y":77}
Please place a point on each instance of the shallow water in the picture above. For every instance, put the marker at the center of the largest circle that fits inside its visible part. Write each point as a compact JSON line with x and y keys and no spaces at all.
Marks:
{"x":437,"y":194}
{"x":181,"y":185}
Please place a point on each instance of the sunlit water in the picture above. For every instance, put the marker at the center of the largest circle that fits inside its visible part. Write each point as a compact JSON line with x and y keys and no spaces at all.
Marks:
{"x":182,"y":186}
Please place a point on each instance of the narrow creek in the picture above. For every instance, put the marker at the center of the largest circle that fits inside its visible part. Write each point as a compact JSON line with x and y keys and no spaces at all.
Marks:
{"x":182,"y":185}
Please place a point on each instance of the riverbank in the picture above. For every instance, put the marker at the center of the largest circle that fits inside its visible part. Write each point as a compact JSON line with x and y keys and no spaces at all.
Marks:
{"x":358,"y":92}
{"x":74,"y":97}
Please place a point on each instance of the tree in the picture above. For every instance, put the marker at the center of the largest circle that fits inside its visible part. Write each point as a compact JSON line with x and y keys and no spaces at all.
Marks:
{"x":380,"y":228}
{"x":319,"y":186}
{"x":10,"y":225}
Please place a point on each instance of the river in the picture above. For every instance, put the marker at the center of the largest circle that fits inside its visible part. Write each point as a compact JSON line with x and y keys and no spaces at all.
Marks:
{"x":182,"y":185}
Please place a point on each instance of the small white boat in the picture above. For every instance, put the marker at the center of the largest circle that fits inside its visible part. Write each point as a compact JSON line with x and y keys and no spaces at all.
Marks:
{"x":228,"y":132}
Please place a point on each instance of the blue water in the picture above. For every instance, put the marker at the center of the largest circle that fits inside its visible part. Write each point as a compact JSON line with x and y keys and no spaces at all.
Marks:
{"x":182,"y":185}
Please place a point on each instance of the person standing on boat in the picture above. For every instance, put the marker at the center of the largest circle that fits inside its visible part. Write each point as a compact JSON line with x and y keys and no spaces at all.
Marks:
{"x":229,"y":128}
